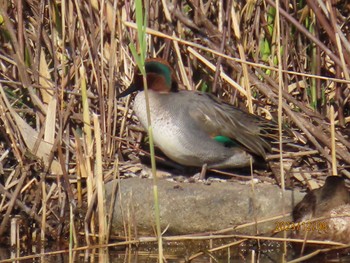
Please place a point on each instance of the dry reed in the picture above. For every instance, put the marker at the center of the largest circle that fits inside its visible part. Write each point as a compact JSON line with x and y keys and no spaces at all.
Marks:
{"x":62,"y":64}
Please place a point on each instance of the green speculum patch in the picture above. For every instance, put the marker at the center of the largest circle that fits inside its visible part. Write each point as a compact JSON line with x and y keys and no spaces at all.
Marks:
{"x":227,"y":142}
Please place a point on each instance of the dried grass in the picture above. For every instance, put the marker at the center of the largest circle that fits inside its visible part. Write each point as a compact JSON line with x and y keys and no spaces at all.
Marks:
{"x":62,"y":63}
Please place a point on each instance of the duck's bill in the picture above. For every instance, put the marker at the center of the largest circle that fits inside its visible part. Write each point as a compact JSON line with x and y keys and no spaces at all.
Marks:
{"x":132,"y":88}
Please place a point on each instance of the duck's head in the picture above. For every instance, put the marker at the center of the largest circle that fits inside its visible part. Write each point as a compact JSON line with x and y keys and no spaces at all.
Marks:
{"x":334,"y":187}
{"x":160,"y":78}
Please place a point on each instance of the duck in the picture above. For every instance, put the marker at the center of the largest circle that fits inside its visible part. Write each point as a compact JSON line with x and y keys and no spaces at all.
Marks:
{"x":195,"y":128}
{"x":330,"y":203}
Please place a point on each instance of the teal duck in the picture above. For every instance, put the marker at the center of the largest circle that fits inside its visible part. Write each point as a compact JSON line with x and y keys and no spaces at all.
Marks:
{"x":330,"y":203}
{"x":194,"y":128}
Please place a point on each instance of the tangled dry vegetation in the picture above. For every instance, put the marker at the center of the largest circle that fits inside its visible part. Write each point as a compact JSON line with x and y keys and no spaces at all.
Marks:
{"x":63,"y":133}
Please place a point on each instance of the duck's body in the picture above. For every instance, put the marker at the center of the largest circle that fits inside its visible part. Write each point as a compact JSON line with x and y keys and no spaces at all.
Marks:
{"x":330,"y":203}
{"x":180,"y":136}
{"x":195,"y":128}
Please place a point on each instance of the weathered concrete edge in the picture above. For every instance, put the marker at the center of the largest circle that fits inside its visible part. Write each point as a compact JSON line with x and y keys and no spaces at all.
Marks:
{"x":194,"y":207}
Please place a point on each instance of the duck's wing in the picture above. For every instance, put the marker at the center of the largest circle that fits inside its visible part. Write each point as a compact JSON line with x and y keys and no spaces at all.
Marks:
{"x":221,"y":119}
